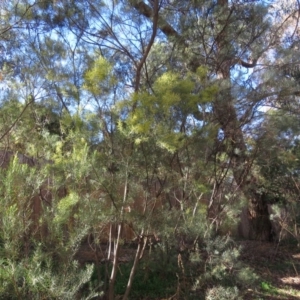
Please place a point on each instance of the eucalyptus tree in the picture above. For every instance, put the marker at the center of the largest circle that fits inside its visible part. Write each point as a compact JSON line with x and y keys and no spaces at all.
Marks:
{"x":278,"y":168}
{"x":230,"y":39}
{"x":168,"y":94}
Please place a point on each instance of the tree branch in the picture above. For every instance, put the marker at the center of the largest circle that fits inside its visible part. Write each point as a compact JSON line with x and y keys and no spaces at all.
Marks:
{"x":148,"y":48}
{"x":17,"y":119}
{"x":145,"y":10}
{"x":247,"y":65}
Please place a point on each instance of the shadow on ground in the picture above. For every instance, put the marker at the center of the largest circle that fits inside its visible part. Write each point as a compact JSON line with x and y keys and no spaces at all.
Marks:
{"x":278,"y":267}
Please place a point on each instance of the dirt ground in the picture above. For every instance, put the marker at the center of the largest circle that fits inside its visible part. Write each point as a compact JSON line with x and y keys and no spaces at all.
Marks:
{"x":278,"y":267}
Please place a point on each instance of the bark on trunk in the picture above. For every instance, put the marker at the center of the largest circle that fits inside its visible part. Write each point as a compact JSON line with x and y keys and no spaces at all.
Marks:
{"x":260,"y":226}
{"x":225,"y":112}
{"x":258,"y":215}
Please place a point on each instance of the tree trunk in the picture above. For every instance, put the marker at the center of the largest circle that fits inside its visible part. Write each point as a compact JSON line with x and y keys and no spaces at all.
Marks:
{"x":117,"y":241}
{"x":258,"y":214}
{"x":260,"y":226}
{"x":134,"y":267}
{"x":235,"y":146}
{"x":112,"y":279}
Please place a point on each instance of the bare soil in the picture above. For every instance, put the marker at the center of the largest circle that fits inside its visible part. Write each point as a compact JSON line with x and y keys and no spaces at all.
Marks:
{"x":278,"y":267}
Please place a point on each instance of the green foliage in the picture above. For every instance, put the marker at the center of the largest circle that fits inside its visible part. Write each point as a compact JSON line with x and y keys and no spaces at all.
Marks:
{"x":222,"y":293}
{"x":64,"y":207}
{"x":269,"y":288}
{"x":33,"y":264}
{"x":161,"y":115}
{"x":35,"y":278}
{"x":280,"y":140}
{"x":99,"y":77}
{"x":279,"y":171}
{"x":119,"y":112}
{"x":223,"y":271}
{"x":151,"y":279}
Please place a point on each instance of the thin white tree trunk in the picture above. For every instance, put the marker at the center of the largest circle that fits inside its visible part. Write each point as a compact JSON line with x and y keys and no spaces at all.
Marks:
{"x":133,"y":269}
{"x":113,"y":275}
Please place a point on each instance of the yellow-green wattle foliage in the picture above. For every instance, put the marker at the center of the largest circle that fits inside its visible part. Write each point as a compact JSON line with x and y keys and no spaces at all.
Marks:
{"x":64,"y":207}
{"x":158,"y":115}
{"x":99,"y":76}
